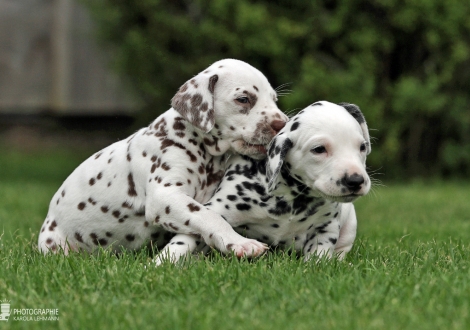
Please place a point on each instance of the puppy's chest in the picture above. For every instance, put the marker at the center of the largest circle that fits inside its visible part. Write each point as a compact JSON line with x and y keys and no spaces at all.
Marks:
{"x":287,"y":222}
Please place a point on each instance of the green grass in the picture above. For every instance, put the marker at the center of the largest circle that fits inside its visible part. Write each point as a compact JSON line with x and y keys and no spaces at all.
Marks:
{"x":409,"y":268}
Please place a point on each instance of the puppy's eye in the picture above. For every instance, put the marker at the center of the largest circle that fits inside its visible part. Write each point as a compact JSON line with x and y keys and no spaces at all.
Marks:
{"x":242,"y":99}
{"x":363,"y":147}
{"x":319,"y":150}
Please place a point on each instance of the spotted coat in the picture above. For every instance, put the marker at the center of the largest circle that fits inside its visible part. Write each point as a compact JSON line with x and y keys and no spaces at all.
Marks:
{"x":153,"y":184}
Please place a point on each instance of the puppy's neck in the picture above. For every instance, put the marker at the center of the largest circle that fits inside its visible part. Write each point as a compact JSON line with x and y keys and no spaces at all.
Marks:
{"x":289,"y":186}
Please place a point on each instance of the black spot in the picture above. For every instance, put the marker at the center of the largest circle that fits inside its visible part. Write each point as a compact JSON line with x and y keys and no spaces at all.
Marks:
{"x":232,"y":198}
{"x":294,"y":126}
{"x":281,"y":207}
{"x":333,"y":240}
{"x":243,"y":207}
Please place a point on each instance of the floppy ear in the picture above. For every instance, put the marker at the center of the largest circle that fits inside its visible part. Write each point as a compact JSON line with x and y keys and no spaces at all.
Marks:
{"x":195,"y":101}
{"x":357,"y":114}
{"x":277,"y":152}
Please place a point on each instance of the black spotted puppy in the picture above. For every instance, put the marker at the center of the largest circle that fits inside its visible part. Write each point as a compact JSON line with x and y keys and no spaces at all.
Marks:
{"x":300,"y":197}
{"x":156,"y":181}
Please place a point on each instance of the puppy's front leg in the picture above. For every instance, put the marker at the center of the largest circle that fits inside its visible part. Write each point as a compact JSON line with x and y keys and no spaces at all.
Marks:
{"x":323,"y":241}
{"x":179,"y":213}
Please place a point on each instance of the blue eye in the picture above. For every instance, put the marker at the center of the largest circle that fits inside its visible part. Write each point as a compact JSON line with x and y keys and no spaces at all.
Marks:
{"x":319,"y":150}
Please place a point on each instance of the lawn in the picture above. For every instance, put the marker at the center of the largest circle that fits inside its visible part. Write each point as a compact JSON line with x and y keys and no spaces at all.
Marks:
{"x":409,"y":268}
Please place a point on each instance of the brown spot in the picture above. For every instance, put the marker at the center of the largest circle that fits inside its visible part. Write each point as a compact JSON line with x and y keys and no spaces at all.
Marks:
{"x":49,"y":241}
{"x":193,"y":141}
{"x":79,"y":237}
{"x":179,"y":184}
{"x":167,"y":184}
{"x":98,"y":155}
{"x":53,"y":225}
{"x":192,"y":157}
{"x":178,"y":126}
{"x":232,"y":128}
{"x":108,"y":234}
{"x":121,"y":220}
{"x":116,"y":214}
{"x":146,"y":224}
{"x":92,"y":201}
{"x":81,"y":206}
{"x":180,"y":134}
{"x":140,"y":213}
{"x":167,"y":210}
{"x":201,"y":169}
{"x":130,"y":237}
{"x":42,"y":229}
{"x":172,"y":226}
{"x":102,"y":241}
{"x":92,"y":181}
{"x":127,"y":205}
{"x":157,"y":219}
{"x":104,"y":209}
{"x":153,"y":168}
{"x":129,"y":157}
{"x":109,"y":160}
{"x":190,"y":170}
{"x":209,"y":142}
{"x":144,"y":154}
{"x":210,"y":236}
{"x":154,"y":158}
{"x":131,"y":190}
{"x":99,"y":176}
{"x":193,"y":207}
{"x":186,"y":223}
{"x":256,"y":88}
{"x":166,"y":167}
{"x":63,"y":193}
{"x":94,"y":238}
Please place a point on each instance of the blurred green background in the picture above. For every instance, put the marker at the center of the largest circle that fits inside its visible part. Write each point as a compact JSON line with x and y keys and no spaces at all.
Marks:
{"x":405,"y":63}
{"x":81,"y":74}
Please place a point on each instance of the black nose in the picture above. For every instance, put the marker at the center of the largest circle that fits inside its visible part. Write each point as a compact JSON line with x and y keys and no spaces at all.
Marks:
{"x":353,"y":182}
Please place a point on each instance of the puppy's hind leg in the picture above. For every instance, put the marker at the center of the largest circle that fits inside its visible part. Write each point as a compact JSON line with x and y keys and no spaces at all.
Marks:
{"x":52,"y":239}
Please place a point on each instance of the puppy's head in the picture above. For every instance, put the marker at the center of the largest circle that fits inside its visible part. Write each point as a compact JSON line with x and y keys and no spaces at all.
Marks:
{"x":325,"y":146}
{"x":238,"y":101}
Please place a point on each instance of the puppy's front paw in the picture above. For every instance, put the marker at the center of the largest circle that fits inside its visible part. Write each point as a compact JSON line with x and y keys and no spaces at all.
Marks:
{"x":247,"y":248}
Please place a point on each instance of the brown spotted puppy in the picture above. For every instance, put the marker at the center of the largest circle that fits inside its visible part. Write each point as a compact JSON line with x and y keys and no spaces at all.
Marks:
{"x":156,"y":181}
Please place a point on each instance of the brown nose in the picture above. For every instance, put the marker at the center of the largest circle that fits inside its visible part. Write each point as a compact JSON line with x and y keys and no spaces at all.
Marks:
{"x":277,"y":125}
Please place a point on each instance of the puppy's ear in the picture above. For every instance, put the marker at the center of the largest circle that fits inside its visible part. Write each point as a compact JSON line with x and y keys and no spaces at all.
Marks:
{"x":195,"y":101}
{"x":277,"y":152}
{"x":357,"y":114}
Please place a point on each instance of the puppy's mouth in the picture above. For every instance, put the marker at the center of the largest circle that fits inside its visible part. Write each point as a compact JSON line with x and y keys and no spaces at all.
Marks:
{"x":254,"y":149}
{"x":260,"y":148}
{"x":341,"y":198}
